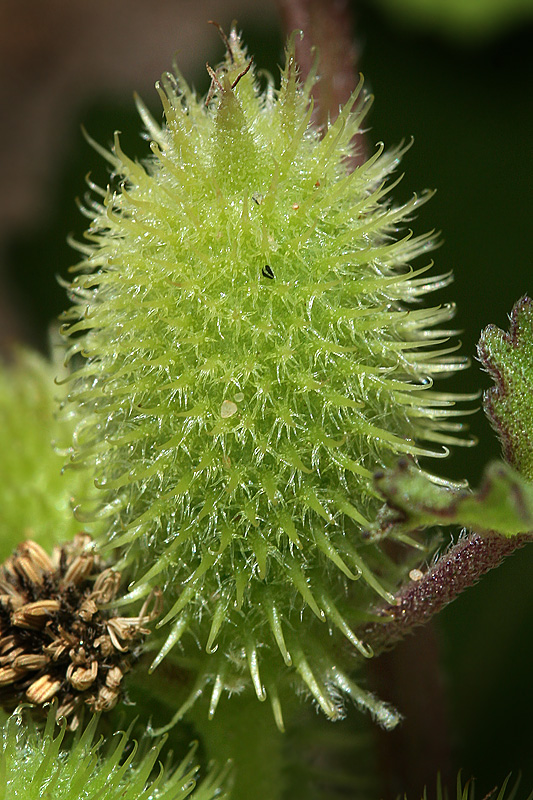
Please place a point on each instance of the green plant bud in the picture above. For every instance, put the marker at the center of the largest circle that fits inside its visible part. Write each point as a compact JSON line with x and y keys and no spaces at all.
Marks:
{"x":34,"y":765}
{"x":253,"y":350}
{"x":34,"y":495}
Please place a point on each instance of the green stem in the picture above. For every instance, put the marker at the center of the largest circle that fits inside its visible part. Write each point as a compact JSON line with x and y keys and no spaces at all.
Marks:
{"x":244,"y":731}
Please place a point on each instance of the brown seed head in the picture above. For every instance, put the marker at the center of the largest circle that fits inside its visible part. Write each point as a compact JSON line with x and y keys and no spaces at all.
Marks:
{"x":56,"y":637}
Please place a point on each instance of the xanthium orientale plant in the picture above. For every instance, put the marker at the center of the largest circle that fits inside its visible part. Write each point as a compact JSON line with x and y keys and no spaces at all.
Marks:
{"x":252,"y":349}
{"x":246,"y":350}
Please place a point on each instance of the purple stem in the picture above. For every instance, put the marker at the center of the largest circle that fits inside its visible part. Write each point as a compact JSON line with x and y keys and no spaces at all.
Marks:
{"x":460,"y":567}
{"x":328,"y":26}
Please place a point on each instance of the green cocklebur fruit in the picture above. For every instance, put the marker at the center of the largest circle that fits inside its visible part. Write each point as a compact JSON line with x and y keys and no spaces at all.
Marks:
{"x":36,"y":764}
{"x":34,"y":495}
{"x":253,"y":349}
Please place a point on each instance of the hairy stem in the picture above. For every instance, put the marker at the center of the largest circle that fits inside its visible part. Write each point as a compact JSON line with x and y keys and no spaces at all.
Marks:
{"x":460,"y":567}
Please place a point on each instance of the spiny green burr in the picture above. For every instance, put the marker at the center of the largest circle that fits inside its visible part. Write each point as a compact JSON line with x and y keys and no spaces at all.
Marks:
{"x":252,"y":349}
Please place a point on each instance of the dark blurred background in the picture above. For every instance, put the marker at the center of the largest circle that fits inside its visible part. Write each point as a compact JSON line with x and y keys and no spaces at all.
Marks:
{"x":456,"y":76}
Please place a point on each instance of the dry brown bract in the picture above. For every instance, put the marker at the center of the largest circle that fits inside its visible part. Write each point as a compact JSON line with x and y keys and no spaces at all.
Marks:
{"x":57,"y":638}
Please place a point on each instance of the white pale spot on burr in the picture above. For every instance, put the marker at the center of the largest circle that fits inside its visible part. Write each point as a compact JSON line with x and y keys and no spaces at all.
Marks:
{"x":228,"y":409}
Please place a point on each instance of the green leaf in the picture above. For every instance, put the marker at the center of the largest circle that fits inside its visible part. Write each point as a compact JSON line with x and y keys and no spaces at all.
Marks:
{"x":502,"y":505}
{"x":508,"y":358}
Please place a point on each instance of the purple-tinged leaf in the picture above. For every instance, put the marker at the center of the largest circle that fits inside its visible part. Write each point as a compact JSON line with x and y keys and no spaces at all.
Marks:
{"x":508,"y":358}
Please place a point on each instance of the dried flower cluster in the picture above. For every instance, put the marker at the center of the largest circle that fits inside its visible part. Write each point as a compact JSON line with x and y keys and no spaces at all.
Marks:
{"x":56,"y":638}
